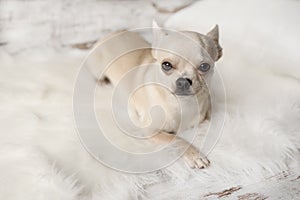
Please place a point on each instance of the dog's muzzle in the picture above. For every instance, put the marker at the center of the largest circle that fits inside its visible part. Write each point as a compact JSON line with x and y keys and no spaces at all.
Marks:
{"x":183,"y":86}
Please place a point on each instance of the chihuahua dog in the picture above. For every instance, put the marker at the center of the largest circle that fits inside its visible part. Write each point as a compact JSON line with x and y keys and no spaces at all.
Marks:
{"x":183,"y":60}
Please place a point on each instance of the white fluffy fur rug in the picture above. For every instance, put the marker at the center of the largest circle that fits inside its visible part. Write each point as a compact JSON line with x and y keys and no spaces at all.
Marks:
{"x":41,"y":157}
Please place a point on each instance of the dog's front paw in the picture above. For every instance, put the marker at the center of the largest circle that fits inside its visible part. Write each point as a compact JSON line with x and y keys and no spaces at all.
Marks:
{"x":195,"y":159}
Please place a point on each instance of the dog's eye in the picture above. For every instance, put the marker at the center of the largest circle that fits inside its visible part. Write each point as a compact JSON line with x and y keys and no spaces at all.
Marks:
{"x":204,"y":67}
{"x":166,"y":66}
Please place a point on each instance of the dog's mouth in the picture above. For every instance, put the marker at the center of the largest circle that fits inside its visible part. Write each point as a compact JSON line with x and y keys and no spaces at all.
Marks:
{"x":184,"y":93}
{"x":187,"y":93}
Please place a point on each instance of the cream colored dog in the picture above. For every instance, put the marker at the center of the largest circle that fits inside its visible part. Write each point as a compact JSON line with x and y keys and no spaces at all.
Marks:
{"x":183,"y":61}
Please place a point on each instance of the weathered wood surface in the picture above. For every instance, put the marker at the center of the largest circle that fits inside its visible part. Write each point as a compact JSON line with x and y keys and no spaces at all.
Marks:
{"x":284,"y":186}
{"x":32,"y":23}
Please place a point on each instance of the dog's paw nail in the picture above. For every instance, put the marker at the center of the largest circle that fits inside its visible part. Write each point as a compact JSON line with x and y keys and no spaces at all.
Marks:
{"x":202,"y":163}
{"x":206,"y":161}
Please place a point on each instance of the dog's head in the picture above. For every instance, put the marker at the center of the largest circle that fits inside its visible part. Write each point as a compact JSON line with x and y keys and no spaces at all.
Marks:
{"x":186,"y":58}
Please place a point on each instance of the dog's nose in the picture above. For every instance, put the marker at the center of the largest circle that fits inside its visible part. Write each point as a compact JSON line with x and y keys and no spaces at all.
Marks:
{"x":183,"y":83}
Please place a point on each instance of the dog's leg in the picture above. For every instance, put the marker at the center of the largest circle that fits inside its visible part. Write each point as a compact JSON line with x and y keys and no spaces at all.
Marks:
{"x":192,"y":156}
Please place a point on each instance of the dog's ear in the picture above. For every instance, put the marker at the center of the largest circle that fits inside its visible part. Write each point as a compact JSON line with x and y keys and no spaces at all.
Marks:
{"x":214,"y":35}
{"x":154,"y":24}
{"x":157,"y":32}
{"x":157,"y":36}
